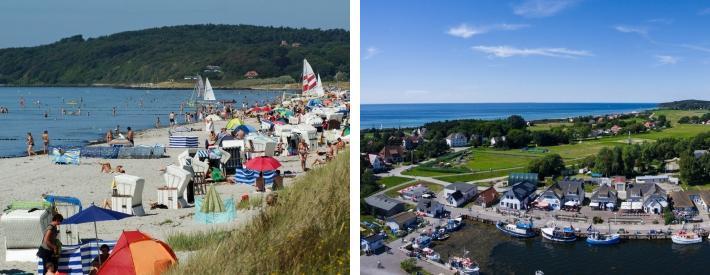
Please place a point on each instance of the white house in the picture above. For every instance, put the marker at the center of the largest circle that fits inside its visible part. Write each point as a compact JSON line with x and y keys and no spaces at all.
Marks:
{"x":459,"y":193}
{"x":648,"y":197}
{"x":378,"y":164}
{"x":653,"y":179}
{"x":518,"y":196}
{"x":456,"y":140}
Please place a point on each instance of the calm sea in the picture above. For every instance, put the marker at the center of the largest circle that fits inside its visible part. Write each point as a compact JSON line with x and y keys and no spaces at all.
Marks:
{"x":411,"y":115}
{"x":96,"y":112}
{"x":499,"y":254}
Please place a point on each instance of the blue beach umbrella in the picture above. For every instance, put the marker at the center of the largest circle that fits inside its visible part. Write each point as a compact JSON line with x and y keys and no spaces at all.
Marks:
{"x":246,"y":128}
{"x":95,"y":214}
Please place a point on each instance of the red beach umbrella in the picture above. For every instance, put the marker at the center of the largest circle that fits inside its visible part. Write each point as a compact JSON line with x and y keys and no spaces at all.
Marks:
{"x":263,"y":164}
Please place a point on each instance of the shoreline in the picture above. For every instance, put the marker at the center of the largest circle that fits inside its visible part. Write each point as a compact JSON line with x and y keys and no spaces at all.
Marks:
{"x":138,"y":87}
{"x":365,"y":128}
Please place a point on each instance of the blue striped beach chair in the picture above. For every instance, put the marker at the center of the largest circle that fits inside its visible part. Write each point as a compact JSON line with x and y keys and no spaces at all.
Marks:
{"x":76,"y":259}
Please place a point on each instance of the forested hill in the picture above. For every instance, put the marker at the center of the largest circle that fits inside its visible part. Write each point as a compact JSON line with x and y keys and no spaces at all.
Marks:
{"x":170,"y":53}
{"x":686,"y":105}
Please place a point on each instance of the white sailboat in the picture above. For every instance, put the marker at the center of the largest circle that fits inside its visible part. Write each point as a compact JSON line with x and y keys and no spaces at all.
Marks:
{"x":318,"y":90}
{"x":209,"y":93}
{"x":310,"y":80}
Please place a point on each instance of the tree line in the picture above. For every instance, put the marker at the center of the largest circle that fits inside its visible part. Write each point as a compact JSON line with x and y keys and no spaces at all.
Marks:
{"x":170,"y":53}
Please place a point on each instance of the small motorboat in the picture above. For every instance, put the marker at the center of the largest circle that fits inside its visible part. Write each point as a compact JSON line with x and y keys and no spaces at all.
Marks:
{"x":422,"y":242}
{"x":558,"y":234}
{"x":454,"y":224}
{"x":685,"y":237}
{"x":431,"y":254}
{"x":597,"y":238}
{"x":521,"y":229}
{"x":464,"y":265}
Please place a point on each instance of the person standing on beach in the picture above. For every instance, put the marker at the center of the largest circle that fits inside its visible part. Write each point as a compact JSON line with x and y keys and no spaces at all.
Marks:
{"x":30,"y":144}
{"x":171,"y":117}
{"x":45,"y":140}
{"x":109,"y":136}
{"x":157,"y":122}
{"x":303,"y":153}
{"x":129,"y":136}
{"x":49,"y":251}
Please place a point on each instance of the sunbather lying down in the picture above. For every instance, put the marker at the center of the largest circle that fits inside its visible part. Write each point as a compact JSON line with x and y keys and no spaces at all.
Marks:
{"x":106,"y":168}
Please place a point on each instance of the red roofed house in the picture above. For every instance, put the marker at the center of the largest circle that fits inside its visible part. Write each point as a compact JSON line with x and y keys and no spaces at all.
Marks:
{"x":251,"y":74}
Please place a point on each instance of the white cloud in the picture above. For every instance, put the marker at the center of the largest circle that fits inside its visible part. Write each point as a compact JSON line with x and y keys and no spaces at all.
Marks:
{"x":666,"y":59}
{"x":542,"y":8}
{"x":660,"y":21}
{"x":696,"y":47}
{"x":371,"y":52}
{"x":466,"y":31}
{"x":704,"y":11}
{"x":631,"y":29}
{"x":508,"y":51}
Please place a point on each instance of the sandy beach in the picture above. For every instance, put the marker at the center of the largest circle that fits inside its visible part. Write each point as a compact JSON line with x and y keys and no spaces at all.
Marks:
{"x":27,"y":178}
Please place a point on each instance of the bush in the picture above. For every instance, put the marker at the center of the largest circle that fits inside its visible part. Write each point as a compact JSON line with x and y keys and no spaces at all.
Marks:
{"x":597,"y":220}
{"x":668,"y":216}
{"x":409,"y":265}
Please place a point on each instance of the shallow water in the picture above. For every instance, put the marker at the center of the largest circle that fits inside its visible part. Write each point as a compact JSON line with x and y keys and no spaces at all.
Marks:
{"x":96,"y":117}
{"x":500,"y":254}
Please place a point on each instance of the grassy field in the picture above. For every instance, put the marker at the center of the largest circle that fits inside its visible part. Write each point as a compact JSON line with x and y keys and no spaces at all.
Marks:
{"x":306,"y":232}
{"x":487,"y":159}
{"x":392,"y":181}
{"x":480,"y":176}
{"x":432,"y":186}
{"x":548,"y":126}
{"x":424,"y":172}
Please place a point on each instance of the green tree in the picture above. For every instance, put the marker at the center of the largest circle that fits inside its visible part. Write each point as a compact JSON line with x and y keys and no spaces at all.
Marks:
{"x":550,"y":165}
{"x":517,"y":138}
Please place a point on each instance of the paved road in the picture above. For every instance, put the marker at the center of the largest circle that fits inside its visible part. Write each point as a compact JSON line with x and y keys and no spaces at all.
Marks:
{"x":391,"y":263}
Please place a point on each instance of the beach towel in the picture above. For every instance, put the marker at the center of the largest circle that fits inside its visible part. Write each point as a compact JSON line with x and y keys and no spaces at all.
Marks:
{"x":68,"y":157}
{"x":76,"y":259}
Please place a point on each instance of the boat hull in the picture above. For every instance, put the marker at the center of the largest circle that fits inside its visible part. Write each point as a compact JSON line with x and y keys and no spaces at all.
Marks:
{"x":615,"y":239}
{"x":547,"y":234}
{"x":528,"y":234}
{"x":679,"y":240}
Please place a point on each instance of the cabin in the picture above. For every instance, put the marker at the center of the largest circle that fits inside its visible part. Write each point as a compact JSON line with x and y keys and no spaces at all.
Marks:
{"x":383,"y":206}
{"x":251,"y":74}
{"x":649,"y":124}
{"x":392,"y":153}
{"x":456,"y":140}
{"x":568,"y":193}
{"x":459,"y":193}
{"x":672,"y":165}
{"x":646,"y":197}
{"x":487,"y":198}
{"x":683,"y":204}
{"x":431,"y":208}
{"x":372,"y":243}
{"x":377,"y":163}
{"x":515,"y":178}
{"x":604,"y":198}
{"x":402,"y":221}
{"x":518,"y":196}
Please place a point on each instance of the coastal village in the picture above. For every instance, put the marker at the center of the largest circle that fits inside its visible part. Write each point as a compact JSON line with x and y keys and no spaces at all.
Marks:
{"x":417,"y":206}
{"x":171,"y":189}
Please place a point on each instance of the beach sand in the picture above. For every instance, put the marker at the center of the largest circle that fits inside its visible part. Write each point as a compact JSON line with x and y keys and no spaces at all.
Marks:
{"x":27,"y":178}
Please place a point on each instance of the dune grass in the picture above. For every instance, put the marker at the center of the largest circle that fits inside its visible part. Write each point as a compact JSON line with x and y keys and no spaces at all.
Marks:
{"x":307,"y":232}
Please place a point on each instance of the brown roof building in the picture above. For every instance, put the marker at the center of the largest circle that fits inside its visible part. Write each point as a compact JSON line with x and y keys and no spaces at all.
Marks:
{"x":487,"y":197}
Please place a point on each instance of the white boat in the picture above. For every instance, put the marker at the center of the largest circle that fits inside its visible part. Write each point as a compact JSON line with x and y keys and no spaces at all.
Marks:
{"x":464,"y":265}
{"x":209,"y":93}
{"x":558,"y":234}
{"x":310,"y":80}
{"x":431,"y":254}
{"x":684,"y":237}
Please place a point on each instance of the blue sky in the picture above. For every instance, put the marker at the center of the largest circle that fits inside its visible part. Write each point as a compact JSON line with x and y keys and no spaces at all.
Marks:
{"x":534,"y":51}
{"x":33,"y":22}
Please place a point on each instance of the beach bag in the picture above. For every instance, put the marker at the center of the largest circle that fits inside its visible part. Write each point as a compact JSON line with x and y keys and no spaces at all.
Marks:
{"x":216,"y":175}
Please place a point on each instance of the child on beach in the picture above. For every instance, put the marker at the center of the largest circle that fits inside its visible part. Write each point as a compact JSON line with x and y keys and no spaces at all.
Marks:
{"x":45,"y":140}
{"x":30,"y":144}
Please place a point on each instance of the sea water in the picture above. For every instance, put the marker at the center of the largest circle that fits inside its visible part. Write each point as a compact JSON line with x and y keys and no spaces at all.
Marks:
{"x":412,"y":115}
{"x":96,"y":116}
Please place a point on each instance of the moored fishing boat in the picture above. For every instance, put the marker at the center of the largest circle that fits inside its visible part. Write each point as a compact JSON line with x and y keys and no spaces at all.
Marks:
{"x":464,"y":265}
{"x":685,"y":237}
{"x":431,"y":254}
{"x":598,"y":238}
{"x":559,"y":234}
{"x":521,"y":229}
{"x":454,"y":224}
